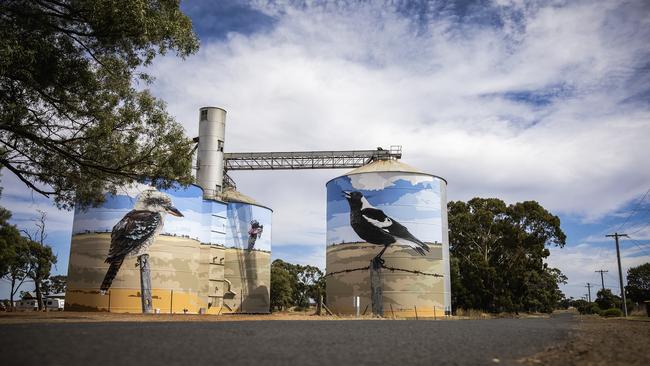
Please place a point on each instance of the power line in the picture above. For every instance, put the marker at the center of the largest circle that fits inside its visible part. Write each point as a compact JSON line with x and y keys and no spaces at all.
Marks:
{"x":642,"y":227}
{"x":639,"y":246}
{"x":634,"y":210}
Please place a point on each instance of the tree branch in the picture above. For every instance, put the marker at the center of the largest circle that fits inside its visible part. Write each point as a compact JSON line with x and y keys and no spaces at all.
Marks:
{"x":18,"y":173}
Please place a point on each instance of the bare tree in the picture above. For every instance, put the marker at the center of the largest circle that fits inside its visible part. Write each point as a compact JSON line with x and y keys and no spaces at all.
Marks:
{"x":41,"y":257}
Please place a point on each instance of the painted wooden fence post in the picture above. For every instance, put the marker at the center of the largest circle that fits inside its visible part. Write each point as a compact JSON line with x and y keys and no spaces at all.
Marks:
{"x":376,"y":293}
{"x":145,"y":284}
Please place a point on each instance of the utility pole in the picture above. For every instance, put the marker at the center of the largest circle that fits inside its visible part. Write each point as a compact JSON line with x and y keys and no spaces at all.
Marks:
{"x":589,"y":291}
{"x":620,"y":271}
{"x":602,"y":281}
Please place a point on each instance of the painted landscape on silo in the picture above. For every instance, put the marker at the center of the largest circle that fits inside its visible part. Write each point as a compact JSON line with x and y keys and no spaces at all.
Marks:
{"x":358,"y":232}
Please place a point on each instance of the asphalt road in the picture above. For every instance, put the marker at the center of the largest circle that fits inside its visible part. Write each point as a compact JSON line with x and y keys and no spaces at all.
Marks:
{"x":346,"y":342}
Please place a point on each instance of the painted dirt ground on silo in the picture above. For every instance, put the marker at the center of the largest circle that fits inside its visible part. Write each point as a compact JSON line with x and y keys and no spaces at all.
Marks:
{"x":404,"y":292}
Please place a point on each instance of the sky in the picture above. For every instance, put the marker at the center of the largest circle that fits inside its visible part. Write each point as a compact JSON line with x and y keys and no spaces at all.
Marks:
{"x":520,"y":100}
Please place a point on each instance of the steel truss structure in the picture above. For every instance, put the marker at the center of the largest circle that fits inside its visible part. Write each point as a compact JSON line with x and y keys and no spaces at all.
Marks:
{"x":308,"y":159}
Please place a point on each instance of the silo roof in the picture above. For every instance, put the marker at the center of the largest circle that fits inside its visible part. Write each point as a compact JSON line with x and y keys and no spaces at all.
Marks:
{"x":232,"y":195}
{"x":385,"y":166}
{"x":389,"y":166}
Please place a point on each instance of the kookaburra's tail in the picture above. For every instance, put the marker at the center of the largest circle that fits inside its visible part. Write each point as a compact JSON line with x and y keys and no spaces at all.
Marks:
{"x":110,"y":274}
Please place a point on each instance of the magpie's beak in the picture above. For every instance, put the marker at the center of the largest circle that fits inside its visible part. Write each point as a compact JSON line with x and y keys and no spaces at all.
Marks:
{"x":346,"y":194}
{"x":174,"y":211}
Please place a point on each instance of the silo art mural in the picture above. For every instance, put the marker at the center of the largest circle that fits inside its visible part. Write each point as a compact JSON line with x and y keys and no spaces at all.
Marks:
{"x":398,"y":217}
{"x":199,"y":252}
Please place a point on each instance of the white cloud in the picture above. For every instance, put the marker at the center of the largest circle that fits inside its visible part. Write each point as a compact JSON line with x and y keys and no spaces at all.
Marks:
{"x":580,"y":262}
{"x":328,"y":77}
{"x":26,"y":205}
{"x":361,"y":76}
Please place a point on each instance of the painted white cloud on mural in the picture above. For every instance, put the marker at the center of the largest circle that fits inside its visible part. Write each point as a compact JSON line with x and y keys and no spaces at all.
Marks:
{"x":426,"y":199}
{"x":378,"y":181}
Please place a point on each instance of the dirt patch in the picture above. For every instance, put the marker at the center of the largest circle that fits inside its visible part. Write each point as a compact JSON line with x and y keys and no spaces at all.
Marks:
{"x":101,"y":316}
{"x":600,"y":341}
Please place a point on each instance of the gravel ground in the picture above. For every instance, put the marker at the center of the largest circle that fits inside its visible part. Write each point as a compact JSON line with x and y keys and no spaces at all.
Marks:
{"x":599,"y":341}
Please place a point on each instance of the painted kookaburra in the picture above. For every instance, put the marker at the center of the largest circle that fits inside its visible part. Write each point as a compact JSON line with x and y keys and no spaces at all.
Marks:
{"x":137,"y":230}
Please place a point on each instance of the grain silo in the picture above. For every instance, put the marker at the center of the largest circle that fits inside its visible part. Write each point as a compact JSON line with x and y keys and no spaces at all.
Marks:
{"x":175,"y":256}
{"x":415,"y":273}
{"x":212,"y":255}
{"x":247,"y":270}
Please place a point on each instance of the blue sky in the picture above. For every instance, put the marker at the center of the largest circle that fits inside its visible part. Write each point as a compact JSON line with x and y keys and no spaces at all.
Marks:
{"x":535,"y":100}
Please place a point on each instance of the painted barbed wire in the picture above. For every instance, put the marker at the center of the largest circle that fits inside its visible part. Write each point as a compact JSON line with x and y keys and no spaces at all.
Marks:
{"x":392,"y":269}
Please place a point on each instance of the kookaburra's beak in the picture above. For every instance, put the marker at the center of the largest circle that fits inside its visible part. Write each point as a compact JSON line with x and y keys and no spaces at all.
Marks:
{"x":174,"y":211}
{"x":346,"y":194}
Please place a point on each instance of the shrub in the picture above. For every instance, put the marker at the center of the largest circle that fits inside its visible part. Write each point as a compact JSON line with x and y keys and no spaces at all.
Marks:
{"x":613,"y":312}
{"x":594,"y":309}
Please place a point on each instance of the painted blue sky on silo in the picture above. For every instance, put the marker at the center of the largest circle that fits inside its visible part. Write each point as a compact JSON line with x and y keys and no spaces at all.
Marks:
{"x":240,"y":219}
{"x":412,"y":200}
{"x":202,"y":220}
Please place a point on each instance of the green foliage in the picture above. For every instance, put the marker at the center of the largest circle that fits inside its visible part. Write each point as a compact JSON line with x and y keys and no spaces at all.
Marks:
{"x":582,"y":306}
{"x":55,"y":284}
{"x":613,"y":312}
{"x":41,"y":260}
{"x":40,"y":256}
{"x":73,"y":124}
{"x":18,"y":264}
{"x":281,"y":289}
{"x":606,"y":300}
{"x":306,"y":282}
{"x":638,"y":283}
{"x":9,"y":237}
{"x":565,"y":303}
{"x":594,"y":309}
{"x":585,"y":307}
{"x":498,"y":254}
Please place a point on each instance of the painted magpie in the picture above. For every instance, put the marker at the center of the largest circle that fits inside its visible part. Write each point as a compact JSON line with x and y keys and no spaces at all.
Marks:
{"x":137,"y":230}
{"x":373,"y":226}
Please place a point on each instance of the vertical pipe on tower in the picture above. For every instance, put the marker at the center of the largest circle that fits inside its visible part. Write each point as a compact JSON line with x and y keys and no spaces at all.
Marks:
{"x":212,"y":132}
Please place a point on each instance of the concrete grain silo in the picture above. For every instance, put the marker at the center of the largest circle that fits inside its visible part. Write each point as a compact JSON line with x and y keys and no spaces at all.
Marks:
{"x":247,"y":269}
{"x":175,"y":257}
{"x":212,"y":257}
{"x":212,"y":136}
{"x":396,"y":207}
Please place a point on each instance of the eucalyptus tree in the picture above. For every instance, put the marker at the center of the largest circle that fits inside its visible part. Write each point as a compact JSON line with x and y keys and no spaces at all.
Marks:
{"x":498,"y":255}
{"x":76,"y":118}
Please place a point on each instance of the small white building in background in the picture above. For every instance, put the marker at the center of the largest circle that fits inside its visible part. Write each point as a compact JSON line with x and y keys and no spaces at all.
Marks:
{"x":52,"y":302}
{"x":26,"y":305}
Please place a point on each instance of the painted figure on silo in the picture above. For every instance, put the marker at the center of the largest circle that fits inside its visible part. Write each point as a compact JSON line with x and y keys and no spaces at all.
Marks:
{"x":373,"y":226}
{"x":254,"y":233}
{"x":137,"y":230}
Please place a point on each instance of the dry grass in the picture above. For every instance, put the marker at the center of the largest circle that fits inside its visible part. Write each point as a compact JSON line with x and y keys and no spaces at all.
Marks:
{"x":472,"y":314}
{"x":600,"y":341}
